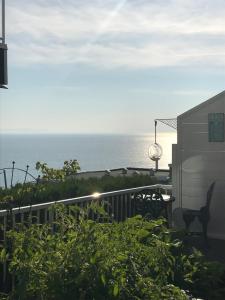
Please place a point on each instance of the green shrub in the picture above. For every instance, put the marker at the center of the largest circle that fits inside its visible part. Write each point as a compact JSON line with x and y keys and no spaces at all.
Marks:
{"x":89,"y":260}
{"x":21,"y":195}
{"x":70,"y":167}
{"x":83,"y":259}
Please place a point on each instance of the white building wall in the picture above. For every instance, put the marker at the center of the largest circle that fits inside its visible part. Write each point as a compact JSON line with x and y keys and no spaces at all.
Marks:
{"x":198,"y":163}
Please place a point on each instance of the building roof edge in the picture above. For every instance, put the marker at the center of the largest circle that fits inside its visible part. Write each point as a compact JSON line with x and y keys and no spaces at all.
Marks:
{"x":199,"y":106}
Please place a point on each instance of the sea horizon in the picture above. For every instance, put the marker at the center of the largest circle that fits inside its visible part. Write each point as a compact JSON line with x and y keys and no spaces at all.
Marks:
{"x":85,"y":133}
{"x":94,"y":152}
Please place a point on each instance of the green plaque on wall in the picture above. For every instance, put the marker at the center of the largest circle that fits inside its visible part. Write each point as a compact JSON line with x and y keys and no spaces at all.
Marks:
{"x":216,"y":127}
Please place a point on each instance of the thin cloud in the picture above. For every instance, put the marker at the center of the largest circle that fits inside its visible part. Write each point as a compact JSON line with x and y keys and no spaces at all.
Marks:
{"x":110,"y":34}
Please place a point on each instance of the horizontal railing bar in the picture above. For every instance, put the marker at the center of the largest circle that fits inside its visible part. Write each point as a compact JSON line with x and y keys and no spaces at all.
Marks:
{"x":83,"y":199}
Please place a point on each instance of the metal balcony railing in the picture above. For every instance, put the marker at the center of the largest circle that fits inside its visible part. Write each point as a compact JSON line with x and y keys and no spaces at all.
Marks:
{"x":120,"y":205}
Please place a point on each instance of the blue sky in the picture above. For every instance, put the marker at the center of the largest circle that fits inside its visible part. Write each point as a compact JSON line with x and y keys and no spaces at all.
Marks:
{"x":109,"y":66}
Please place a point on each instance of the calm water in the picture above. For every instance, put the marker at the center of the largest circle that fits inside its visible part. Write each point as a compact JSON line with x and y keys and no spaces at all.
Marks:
{"x":94,"y":152}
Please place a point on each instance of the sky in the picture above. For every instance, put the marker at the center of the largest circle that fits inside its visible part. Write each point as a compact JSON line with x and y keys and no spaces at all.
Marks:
{"x":109,"y":66}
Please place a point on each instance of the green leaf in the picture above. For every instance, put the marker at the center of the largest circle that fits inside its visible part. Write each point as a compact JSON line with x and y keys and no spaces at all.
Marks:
{"x":103,"y":279}
{"x":92,"y":260}
{"x":3,"y":255}
{"x":116,"y":290}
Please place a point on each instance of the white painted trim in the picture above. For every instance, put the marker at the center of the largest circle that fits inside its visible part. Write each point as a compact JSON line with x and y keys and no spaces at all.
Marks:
{"x":192,"y":123}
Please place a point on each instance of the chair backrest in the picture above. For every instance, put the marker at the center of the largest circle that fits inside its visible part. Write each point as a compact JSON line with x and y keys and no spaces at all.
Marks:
{"x":209,"y":194}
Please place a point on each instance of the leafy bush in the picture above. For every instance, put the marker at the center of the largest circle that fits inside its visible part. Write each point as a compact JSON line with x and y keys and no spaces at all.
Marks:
{"x":205,"y":279}
{"x":69,"y":168}
{"x":83,"y":259}
{"x":28,"y":194}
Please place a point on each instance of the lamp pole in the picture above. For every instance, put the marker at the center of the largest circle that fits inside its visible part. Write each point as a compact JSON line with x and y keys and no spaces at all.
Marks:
{"x":157,"y":159}
{"x":155,"y":150}
{"x":3,"y":52}
{"x":3,"y":22}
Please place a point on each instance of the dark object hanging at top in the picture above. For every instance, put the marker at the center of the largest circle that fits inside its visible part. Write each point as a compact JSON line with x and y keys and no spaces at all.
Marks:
{"x":3,"y":66}
{"x":3,"y":50}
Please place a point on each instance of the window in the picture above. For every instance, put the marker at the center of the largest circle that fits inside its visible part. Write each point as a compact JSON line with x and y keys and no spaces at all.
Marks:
{"x":216,"y":127}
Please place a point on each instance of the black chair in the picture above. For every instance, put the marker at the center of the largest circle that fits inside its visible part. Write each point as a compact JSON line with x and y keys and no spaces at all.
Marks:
{"x":203,"y":214}
{"x":150,"y":204}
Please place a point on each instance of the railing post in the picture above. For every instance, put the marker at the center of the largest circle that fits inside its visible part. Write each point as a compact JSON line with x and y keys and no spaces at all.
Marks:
{"x":5,"y":246}
{"x":12,"y":172}
{"x":5,"y":179}
{"x":25,"y":178}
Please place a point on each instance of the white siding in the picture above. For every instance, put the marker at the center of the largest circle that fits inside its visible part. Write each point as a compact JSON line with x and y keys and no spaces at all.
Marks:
{"x":199,"y":163}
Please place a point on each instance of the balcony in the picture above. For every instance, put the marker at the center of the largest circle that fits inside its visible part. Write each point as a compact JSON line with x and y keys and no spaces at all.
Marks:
{"x":119,"y":205}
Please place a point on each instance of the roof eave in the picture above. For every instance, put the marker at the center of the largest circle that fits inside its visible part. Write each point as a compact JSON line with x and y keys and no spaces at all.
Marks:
{"x":197,"y":107}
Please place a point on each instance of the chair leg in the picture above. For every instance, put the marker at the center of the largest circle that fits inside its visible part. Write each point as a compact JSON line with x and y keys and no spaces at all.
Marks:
{"x":188,"y":219}
{"x":205,"y":235}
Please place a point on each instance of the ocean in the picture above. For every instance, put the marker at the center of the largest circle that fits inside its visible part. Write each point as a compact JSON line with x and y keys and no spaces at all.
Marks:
{"x":93,"y":152}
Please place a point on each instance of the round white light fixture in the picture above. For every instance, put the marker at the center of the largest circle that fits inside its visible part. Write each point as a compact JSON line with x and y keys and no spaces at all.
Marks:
{"x":155,"y":152}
